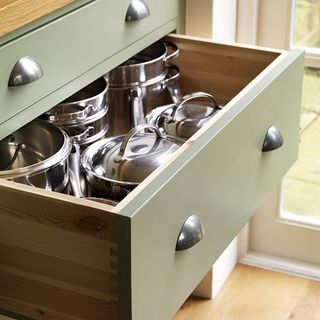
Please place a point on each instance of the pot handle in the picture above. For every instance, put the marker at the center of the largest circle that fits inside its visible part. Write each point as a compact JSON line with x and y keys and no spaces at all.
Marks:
{"x":170,"y":46}
{"x":18,"y":146}
{"x":131,"y":134}
{"x":80,"y":115}
{"x":75,"y":171}
{"x":83,"y":135}
{"x":191,"y":96}
{"x":136,"y":107}
{"x":172,"y":84}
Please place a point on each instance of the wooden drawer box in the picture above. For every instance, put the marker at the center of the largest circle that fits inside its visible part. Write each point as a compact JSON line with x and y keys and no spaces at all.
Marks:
{"x":68,"y":258}
{"x":70,"y":46}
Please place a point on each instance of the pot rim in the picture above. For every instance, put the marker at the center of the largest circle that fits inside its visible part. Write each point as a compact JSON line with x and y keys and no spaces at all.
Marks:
{"x":81,"y":101}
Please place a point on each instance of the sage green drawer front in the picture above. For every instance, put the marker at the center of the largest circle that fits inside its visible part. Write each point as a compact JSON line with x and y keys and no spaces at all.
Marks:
{"x":222,"y":177}
{"x":72,"y":45}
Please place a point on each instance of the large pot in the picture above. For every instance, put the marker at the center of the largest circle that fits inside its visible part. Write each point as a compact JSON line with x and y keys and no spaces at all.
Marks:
{"x":144,"y":66}
{"x":80,"y":106}
{"x":37,"y":155}
{"x":130,"y":104}
{"x":186,"y":117}
{"x":115,"y":166}
{"x":137,"y":85}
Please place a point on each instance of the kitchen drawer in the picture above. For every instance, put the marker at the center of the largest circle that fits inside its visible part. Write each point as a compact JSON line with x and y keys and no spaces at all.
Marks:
{"x":68,"y":258}
{"x":73,"y":44}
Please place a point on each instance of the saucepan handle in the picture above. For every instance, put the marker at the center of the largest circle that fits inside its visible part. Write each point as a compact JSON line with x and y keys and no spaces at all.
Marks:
{"x":171,"y":82}
{"x":136,"y":107}
{"x":191,"y":96}
{"x":79,"y":115}
{"x":131,"y":134}
{"x":173,"y":49}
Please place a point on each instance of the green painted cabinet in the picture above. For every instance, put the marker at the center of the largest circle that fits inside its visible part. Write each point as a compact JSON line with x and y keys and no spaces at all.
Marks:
{"x":54,"y":262}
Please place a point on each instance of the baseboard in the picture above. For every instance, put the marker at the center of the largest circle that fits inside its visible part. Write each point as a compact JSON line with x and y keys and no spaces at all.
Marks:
{"x":275,"y":263}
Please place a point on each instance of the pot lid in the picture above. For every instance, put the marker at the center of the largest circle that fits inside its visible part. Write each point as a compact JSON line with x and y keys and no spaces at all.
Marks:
{"x":131,"y":158}
{"x":185,"y":117}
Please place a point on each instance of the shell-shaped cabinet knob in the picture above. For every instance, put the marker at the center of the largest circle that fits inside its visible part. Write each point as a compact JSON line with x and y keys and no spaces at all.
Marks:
{"x":137,"y":10}
{"x":25,"y":71}
{"x":273,"y":139}
{"x":191,"y":233}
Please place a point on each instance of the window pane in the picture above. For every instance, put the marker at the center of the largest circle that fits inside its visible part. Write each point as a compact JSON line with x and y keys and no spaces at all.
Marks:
{"x":302,"y":185}
{"x":307,"y":23}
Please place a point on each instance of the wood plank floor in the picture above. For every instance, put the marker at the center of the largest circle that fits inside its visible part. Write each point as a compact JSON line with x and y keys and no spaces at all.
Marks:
{"x":255,"y":294}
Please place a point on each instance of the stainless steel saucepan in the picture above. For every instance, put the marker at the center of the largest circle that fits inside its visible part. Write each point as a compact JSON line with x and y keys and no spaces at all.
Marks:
{"x":129,"y":105}
{"x":37,"y":155}
{"x":115,"y":166}
{"x":144,"y":66}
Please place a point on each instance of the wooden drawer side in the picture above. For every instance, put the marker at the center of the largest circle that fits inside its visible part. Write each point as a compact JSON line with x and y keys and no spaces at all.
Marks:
{"x":220,"y":69}
{"x":58,"y":259}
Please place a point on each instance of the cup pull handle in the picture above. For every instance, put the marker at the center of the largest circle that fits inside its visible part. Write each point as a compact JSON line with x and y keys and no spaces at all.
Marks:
{"x":25,"y":71}
{"x":137,"y":10}
{"x":273,"y":139}
{"x":191,"y":233}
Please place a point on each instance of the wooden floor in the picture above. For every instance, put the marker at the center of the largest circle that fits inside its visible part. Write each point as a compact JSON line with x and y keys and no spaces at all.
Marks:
{"x":255,"y":294}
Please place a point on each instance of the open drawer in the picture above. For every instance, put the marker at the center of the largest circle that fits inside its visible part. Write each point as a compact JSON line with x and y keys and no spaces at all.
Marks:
{"x":68,"y":258}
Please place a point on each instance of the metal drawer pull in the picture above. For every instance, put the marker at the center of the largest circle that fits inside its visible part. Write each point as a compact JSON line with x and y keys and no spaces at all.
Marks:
{"x":137,"y":10}
{"x":273,"y":139}
{"x":25,"y":71}
{"x":190,"y":234}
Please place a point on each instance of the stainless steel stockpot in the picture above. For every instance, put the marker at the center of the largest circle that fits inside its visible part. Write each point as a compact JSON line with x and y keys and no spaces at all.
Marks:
{"x":129,"y":105}
{"x":80,"y":106}
{"x":144,"y":66}
{"x":37,"y":155}
{"x":115,"y":166}
{"x":184,"y":118}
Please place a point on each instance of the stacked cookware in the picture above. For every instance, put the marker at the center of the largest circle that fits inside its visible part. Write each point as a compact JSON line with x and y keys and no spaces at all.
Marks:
{"x":137,"y":86}
{"x":83,"y":116}
{"x":105,"y":139}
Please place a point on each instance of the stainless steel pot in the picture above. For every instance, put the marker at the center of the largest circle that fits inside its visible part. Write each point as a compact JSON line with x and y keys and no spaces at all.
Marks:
{"x":80,"y":106}
{"x":92,"y":129}
{"x":37,"y":155}
{"x":115,"y":166}
{"x":144,"y":66}
{"x":129,"y":105}
{"x":184,"y":118}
